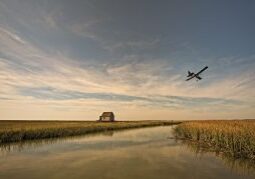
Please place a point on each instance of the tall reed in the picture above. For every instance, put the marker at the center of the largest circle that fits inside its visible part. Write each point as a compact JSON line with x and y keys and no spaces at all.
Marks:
{"x":235,"y":137}
{"x":15,"y":131}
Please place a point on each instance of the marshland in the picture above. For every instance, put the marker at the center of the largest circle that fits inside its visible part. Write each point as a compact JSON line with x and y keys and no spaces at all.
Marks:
{"x":147,"y":149}
{"x":16,"y":131}
{"x":235,"y":138}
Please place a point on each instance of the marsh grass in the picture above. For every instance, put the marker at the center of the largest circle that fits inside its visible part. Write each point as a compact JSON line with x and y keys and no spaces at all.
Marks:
{"x":242,"y":166}
{"x":235,"y":138}
{"x":16,"y":131}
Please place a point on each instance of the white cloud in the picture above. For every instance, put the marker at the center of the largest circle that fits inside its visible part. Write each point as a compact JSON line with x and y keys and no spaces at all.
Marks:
{"x":23,"y":65}
{"x":86,"y":29}
{"x":139,"y":44}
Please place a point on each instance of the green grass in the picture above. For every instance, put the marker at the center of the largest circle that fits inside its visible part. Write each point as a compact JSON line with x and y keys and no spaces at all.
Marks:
{"x":235,"y":137}
{"x":16,"y":131}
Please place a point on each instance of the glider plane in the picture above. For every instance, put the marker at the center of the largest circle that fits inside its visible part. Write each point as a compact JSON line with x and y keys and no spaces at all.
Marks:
{"x":195,"y":75}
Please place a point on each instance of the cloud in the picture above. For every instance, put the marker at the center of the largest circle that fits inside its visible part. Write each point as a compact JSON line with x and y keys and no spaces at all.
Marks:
{"x":12,"y":35}
{"x":131,"y":45}
{"x":91,"y":29}
{"x":48,"y":93}
{"x":24,"y":65}
{"x":54,"y":94}
{"x":50,"y":58}
{"x":86,"y":29}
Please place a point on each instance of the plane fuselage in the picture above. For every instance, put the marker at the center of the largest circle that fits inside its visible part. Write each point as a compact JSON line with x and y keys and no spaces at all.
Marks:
{"x":195,"y":75}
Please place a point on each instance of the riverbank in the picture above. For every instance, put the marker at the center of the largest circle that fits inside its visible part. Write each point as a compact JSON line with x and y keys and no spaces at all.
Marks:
{"x":16,"y":131}
{"x":235,"y":137}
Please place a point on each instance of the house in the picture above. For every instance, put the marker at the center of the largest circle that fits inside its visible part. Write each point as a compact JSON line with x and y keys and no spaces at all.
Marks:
{"x":107,"y":116}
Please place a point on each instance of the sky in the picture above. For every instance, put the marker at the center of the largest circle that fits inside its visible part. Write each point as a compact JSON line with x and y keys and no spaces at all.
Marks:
{"x":72,"y":60}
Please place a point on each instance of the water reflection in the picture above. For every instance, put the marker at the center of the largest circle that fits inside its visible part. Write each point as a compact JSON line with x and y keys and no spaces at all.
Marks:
{"x":100,"y":136}
{"x":20,"y":146}
{"x":242,"y":166}
{"x":139,"y":153}
{"x":33,"y":144}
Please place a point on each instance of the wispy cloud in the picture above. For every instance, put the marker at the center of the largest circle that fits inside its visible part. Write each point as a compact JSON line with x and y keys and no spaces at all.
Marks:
{"x":56,"y":58}
{"x":27,"y":66}
{"x":131,"y":45}
{"x":45,"y":93}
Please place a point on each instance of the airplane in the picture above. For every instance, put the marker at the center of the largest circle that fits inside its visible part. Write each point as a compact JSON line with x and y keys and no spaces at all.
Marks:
{"x":195,"y":75}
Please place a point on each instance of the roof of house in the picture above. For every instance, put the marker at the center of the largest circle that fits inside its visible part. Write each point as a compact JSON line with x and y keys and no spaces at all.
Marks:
{"x":107,"y":114}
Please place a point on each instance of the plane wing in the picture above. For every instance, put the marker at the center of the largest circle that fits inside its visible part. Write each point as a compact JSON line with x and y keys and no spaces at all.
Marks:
{"x":190,"y":78}
{"x":202,"y":70}
{"x":198,"y":77}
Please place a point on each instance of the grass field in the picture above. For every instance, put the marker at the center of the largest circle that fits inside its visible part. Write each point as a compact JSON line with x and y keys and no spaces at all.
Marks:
{"x":235,"y":137}
{"x":15,"y":131}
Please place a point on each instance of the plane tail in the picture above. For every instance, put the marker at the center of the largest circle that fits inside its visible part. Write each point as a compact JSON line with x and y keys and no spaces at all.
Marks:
{"x":190,"y":74}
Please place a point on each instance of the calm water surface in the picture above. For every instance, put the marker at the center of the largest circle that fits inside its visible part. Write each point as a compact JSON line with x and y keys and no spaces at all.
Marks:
{"x":138,"y":153}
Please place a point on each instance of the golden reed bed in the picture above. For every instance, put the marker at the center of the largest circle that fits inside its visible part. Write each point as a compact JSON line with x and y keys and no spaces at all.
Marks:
{"x":234,"y":137}
{"x":16,"y":131}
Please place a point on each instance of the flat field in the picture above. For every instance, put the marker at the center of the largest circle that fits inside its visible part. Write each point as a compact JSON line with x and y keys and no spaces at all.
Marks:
{"x":15,"y":131}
